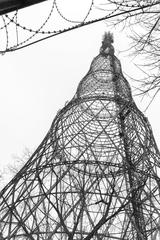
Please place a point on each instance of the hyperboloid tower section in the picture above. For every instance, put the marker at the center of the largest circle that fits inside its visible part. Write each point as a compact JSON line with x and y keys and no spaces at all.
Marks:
{"x":96,"y":173}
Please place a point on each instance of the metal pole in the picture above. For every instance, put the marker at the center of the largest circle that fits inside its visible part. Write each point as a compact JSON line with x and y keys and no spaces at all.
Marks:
{"x":7,"y":6}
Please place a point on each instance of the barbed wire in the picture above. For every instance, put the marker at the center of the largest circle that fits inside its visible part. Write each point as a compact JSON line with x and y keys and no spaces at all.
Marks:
{"x":56,"y":21}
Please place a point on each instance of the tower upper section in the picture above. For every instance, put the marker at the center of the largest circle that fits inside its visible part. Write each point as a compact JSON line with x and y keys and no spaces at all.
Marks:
{"x":105,"y":77}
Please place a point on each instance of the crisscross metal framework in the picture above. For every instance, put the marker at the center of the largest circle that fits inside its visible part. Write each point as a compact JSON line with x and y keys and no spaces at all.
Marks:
{"x":96,"y":173}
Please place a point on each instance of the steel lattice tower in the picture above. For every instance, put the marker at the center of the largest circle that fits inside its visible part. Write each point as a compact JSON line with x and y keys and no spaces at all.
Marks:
{"x":95,"y":175}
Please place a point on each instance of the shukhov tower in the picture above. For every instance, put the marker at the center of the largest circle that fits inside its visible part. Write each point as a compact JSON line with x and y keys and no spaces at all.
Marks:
{"x":96,"y":173}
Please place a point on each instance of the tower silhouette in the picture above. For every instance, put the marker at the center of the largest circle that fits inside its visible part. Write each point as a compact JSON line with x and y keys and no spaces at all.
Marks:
{"x":96,"y":173}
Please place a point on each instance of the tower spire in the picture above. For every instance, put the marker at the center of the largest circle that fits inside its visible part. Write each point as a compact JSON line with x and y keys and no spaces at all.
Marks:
{"x":107,"y":47}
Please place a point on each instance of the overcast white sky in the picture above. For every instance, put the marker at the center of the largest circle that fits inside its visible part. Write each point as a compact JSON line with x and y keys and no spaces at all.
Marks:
{"x":37,"y":81}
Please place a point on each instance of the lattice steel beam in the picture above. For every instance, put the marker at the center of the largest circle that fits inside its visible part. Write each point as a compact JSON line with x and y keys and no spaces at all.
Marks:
{"x":7,"y":6}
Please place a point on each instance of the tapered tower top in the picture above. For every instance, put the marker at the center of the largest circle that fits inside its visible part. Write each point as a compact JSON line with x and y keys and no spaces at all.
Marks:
{"x":105,"y":77}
